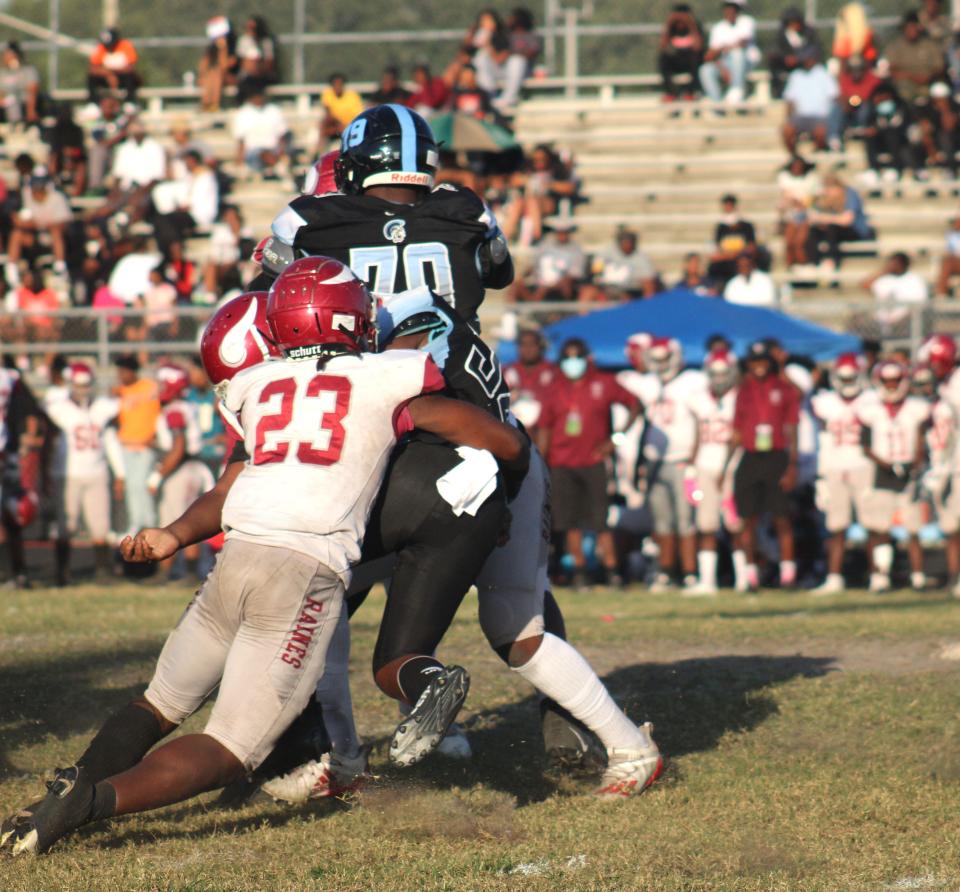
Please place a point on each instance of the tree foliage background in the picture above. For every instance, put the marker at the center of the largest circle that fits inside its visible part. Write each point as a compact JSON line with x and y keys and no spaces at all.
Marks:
{"x":165,"y":66}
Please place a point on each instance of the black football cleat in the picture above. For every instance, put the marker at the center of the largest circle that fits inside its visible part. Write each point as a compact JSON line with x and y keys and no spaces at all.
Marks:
{"x":420,"y":733}
{"x":66,"y":807}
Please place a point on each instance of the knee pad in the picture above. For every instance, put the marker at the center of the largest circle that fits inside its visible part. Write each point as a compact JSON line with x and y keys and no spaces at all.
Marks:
{"x":507,"y":615}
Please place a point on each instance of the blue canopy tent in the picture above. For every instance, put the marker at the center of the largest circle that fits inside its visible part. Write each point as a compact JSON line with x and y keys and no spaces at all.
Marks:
{"x":691,"y":319}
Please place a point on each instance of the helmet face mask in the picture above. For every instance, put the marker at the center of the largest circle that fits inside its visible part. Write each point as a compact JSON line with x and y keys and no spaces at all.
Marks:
{"x":388,"y":145}
{"x":891,"y":381}
{"x":721,"y":370}
{"x":847,"y":375}
{"x":664,"y":358}
{"x":80,"y":377}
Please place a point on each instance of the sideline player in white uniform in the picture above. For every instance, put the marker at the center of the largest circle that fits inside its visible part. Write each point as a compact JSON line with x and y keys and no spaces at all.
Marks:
{"x":86,"y":453}
{"x":845,"y":474}
{"x":319,"y":427}
{"x":713,"y":408}
{"x":670,"y":441}
{"x":893,"y":437}
{"x":180,"y":478}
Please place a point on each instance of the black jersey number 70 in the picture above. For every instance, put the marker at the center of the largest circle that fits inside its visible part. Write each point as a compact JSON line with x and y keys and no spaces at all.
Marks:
{"x":388,"y":269}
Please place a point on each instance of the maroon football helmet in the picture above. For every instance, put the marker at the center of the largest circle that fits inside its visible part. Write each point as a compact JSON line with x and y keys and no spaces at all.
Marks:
{"x":321,"y":179}
{"x":316,"y":304}
{"x":173,"y":381}
{"x":237,"y":337}
{"x":939,"y":351}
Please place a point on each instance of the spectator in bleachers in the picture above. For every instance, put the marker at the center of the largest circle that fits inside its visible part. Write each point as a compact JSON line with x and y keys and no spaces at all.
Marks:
{"x":694,"y":278}
{"x":138,"y":416}
{"x":894,"y":285}
{"x":524,"y":47}
{"x":390,"y":89}
{"x":853,"y":35}
{"x":261,"y":132}
{"x":35,"y":301}
{"x":575,"y":438}
{"x":680,"y":52}
{"x":886,"y":136}
{"x":432,"y":93}
{"x":559,"y":267}
{"x":857,"y":83}
{"x":468,"y":97}
{"x":139,"y":161}
{"x":950,"y":262}
{"x":488,"y":41}
{"x":223,"y":251}
{"x":799,"y":184}
{"x":196,"y":203}
{"x":750,"y":287}
{"x":621,"y":272}
{"x":340,"y":107}
{"x":916,"y":61}
{"x":158,"y":303}
{"x":530,"y":378}
{"x":67,"y":158}
{"x":732,"y":237}
{"x":935,"y":22}
{"x":184,"y":141}
{"x":939,"y":130}
{"x":810,"y":93}
{"x":130,"y":277}
{"x":107,"y":132}
{"x":41,"y":221}
{"x":113,"y":66}
{"x":547,"y":183}
{"x":837,"y":216}
{"x":794,"y":37}
{"x":731,"y":53}
{"x":218,"y":64}
{"x":19,"y":87}
{"x":257,"y":54}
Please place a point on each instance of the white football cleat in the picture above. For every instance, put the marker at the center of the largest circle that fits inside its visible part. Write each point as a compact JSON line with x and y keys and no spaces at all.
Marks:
{"x":455,"y":744}
{"x":630,"y":772}
{"x":329,"y":776}
{"x":699,"y":590}
{"x":661,"y":584}
{"x":832,"y":585}
{"x":918,"y":581}
{"x":879,"y":582}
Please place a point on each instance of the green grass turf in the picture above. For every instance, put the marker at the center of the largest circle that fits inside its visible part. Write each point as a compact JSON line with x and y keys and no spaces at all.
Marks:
{"x":813,"y":744}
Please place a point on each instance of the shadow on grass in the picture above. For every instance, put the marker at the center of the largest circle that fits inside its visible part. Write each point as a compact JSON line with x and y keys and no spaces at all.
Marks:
{"x":66,"y":696}
{"x":693,"y":703}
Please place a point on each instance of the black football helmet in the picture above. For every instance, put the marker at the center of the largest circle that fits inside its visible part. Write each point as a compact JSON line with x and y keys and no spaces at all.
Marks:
{"x":387,"y":145}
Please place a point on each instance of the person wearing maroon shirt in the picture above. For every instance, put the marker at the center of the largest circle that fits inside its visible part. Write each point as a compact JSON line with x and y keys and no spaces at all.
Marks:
{"x":575,"y":436}
{"x":765,"y":422}
{"x":529,"y":379}
{"x":432,"y":92}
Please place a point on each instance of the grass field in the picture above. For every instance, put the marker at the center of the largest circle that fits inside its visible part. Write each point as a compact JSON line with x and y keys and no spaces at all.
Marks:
{"x":813,"y":744}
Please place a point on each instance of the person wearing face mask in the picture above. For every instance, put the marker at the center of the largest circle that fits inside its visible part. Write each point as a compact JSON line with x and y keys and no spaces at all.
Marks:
{"x":575,"y":436}
{"x":887,"y":143}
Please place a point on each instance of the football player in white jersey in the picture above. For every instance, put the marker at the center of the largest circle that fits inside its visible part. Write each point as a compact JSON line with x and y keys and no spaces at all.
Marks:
{"x":179,"y":477}
{"x":86,"y":452}
{"x":670,"y":441}
{"x":845,"y":474}
{"x":319,"y":426}
{"x":892,"y":434}
{"x":713,"y":494}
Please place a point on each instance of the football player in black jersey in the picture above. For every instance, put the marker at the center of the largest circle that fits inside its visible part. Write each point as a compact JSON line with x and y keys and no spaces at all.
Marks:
{"x":435,"y":567}
{"x":389,"y":223}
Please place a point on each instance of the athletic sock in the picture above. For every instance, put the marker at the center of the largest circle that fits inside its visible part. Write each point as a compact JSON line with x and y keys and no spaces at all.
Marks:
{"x":333,"y":693}
{"x":883,"y":558}
{"x":740,"y":569}
{"x":788,"y":572}
{"x":61,"y":558}
{"x":558,"y":671}
{"x":414,"y":676}
{"x":124,"y":739}
{"x":707,"y":566}
{"x":104,"y":802}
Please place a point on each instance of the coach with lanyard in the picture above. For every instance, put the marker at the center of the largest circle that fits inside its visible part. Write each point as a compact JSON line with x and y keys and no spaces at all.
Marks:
{"x":765,"y":422}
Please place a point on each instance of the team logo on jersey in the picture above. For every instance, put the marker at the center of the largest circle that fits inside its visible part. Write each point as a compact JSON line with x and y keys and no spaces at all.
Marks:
{"x":395,"y":231}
